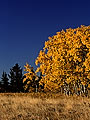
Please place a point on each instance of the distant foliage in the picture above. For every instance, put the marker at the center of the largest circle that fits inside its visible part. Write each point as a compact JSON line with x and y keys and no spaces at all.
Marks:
{"x":31,"y":80}
{"x":65,"y":61}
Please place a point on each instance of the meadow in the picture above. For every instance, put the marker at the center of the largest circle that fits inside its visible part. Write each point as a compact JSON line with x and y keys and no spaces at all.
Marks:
{"x":43,"y":106}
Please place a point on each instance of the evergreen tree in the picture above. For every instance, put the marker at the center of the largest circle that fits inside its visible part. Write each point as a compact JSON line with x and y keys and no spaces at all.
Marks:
{"x":16,"y":79}
{"x":1,"y":87}
{"x":4,"y":82}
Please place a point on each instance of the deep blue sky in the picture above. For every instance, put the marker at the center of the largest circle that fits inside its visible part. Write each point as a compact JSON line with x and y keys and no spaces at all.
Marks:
{"x":26,"y":24}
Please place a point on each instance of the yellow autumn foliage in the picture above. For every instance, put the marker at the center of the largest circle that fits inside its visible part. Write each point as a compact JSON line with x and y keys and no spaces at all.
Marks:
{"x":29,"y":76}
{"x":65,"y":58}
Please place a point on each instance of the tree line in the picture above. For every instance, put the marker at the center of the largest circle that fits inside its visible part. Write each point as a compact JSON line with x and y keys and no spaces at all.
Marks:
{"x":63,"y":66}
{"x":64,"y":63}
{"x":13,"y":82}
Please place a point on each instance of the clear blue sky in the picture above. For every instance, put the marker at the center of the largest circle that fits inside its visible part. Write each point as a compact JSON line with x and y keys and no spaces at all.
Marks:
{"x":26,"y":24}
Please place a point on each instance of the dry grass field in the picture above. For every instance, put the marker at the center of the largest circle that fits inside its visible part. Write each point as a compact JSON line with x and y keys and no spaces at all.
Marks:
{"x":23,"y":106}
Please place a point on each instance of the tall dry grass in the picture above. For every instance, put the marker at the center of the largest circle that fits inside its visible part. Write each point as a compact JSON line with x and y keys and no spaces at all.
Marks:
{"x":43,"y":107}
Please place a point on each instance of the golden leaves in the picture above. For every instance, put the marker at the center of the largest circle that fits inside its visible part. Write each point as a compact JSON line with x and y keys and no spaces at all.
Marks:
{"x":63,"y":53}
{"x":29,"y":75}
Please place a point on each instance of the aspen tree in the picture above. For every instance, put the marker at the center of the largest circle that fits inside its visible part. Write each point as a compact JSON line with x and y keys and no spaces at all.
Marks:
{"x":65,"y":58}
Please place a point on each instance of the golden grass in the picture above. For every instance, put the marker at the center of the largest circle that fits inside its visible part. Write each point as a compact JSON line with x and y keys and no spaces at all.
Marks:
{"x":30,"y":106}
